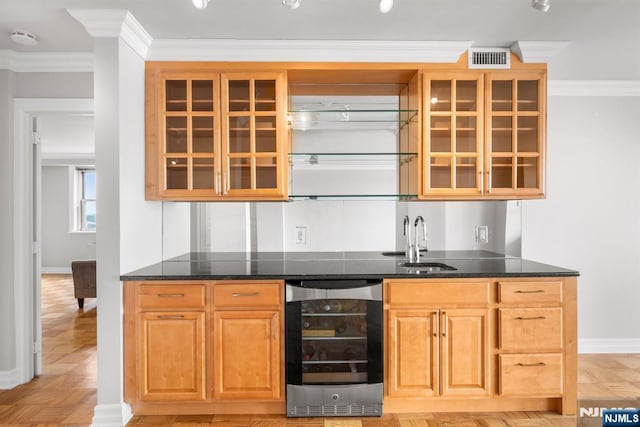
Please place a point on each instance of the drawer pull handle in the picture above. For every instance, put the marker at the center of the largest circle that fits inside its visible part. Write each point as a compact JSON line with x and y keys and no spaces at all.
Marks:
{"x":173,"y":316}
{"x":531,"y":364}
{"x":531,"y":318}
{"x":245,"y":294}
{"x":170,"y":295}
{"x":537,"y":291}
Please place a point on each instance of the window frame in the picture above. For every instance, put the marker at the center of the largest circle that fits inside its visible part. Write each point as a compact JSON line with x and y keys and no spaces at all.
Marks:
{"x":80,"y":200}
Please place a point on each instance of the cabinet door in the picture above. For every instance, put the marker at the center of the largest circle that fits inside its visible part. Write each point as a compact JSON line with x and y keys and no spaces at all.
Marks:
{"x":465,"y":352}
{"x":253,"y":135}
{"x":171,"y":356}
{"x":515,"y":122}
{"x":189,"y":136}
{"x":412,"y":353}
{"x":453,"y":134}
{"x":247,"y":355}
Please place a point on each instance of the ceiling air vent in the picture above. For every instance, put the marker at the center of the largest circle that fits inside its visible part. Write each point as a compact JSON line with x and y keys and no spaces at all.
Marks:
{"x":489,"y":58}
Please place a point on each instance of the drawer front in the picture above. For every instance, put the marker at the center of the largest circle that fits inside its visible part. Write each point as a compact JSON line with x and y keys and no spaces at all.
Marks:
{"x":171,"y":296}
{"x":530,"y":292}
{"x":530,"y":329}
{"x":424,"y":293}
{"x":238,"y":295}
{"x":531,"y":375}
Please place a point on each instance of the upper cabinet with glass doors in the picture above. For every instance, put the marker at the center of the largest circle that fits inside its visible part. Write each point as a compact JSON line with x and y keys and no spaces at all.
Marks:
{"x":213,"y":136}
{"x":253,"y":129}
{"x":484,"y":134}
{"x":453,"y":145}
{"x":515,"y":135}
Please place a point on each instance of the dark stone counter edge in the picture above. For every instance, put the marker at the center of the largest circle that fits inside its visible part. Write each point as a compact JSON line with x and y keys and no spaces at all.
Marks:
{"x":449,"y":275}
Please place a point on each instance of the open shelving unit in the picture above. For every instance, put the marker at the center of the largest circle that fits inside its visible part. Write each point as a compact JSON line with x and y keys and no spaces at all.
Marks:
{"x":360,"y":133}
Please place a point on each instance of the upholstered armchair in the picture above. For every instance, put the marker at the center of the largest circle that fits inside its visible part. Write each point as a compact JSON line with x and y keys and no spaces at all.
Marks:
{"x":84,"y":280}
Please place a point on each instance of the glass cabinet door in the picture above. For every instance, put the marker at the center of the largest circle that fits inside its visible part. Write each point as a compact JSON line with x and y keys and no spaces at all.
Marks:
{"x":453,"y":136}
{"x":516,"y":118}
{"x":334,"y":341}
{"x":191,"y":133}
{"x":253,"y":114}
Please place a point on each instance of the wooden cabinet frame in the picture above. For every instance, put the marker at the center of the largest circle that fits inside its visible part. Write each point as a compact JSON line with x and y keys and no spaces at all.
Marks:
{"x":413,"y":175}
{"x":419,"y":306}
{"x":194,"y":319}
{"x":156,"y":155}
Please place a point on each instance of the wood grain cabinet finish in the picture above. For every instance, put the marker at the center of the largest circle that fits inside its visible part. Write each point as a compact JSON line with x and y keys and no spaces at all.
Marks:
{"x":204,"y":347}
{"x":484,"y":133}
{"x":531,"y":375}
{"x":530,"y":329}
{"x":171,"y":356}
{"x":213,"y":135}
{"x":450,"y":345}
{"x":412,"y":339}
{"x":515,"y":133}
{"x":472,"y":344}
{"x":453,"y":134}
{"x":247,"y":354}
{"x":437,"y":351}
{"x":246,"y":333}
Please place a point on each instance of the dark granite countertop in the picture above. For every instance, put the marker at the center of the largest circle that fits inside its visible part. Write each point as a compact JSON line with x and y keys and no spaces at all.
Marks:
{"x":338,"y":265}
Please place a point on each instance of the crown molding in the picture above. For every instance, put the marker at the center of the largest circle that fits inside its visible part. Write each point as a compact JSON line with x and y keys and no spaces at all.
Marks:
{"x":30,"y":62}
{"x":113,"y":23}
{"x":593,"y":88}
{"x":538,"y":51}
{"x":306,"y":50}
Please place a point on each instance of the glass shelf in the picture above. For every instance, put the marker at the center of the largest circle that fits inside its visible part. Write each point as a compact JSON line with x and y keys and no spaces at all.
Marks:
{"x":376,"y":197}
{"x":346,"y":118}
{"x":297,"y":159}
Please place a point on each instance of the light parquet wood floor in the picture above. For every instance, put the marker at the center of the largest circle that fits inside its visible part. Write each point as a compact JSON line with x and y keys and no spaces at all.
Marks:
{"x":65,"y":393}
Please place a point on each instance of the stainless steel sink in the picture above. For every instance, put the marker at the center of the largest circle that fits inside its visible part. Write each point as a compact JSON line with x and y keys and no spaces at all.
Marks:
{"x":428,"y":266}
{"x":399,"y":253}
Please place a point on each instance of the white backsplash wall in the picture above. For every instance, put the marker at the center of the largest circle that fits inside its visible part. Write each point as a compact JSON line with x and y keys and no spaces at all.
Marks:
{"x":451,"y":225}
{"x":341,"y":225}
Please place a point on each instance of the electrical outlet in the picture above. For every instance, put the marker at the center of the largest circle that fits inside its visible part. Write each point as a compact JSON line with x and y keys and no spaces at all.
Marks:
{"x":301,"y":235}
{"x":482,"y":234}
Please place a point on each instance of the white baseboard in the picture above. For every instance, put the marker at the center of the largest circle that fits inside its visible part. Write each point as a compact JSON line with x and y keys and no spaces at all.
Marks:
{"x":56,"y":270}
{"x":615,"y":345}
{"x":9,"y":379}
{"x":114,"y":415}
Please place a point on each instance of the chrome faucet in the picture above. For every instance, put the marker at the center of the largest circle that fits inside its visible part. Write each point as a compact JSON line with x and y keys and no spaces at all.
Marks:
{"x":416,"y":237}
{"x":406,"y":224}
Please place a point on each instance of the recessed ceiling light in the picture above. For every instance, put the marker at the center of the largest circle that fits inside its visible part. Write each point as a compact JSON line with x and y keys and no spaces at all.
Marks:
{"x":24,"y":37}
{"x":541,"y":5}
{"x":292,"y":4}
{"x":200,"y":4}
{"x":385,"y":5}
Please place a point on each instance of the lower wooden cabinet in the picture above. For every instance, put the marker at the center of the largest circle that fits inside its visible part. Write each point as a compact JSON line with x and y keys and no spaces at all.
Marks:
{"x":247,"y":354}
{"x":207,"y":347}
{"x":171,"y":356}
{"x":464,"y":352}
{"x":469,"y":344}
{"x":438,"y":352}
{"x":216,"y":347}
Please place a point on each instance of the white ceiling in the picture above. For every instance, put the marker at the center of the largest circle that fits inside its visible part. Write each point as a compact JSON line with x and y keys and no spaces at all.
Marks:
{"x":604,"y":34}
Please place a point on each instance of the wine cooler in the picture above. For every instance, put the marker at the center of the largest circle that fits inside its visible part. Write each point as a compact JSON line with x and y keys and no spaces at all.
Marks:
{"x":334,"y":348}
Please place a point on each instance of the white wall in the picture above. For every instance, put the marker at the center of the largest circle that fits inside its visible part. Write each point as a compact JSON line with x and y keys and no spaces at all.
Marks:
{"x":589,"y":220}
{"x":7,"y":324}
{"x":60,"y":246}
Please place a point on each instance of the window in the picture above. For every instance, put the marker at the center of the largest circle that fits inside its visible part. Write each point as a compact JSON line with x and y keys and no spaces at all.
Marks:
{"x":85,"y":200}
